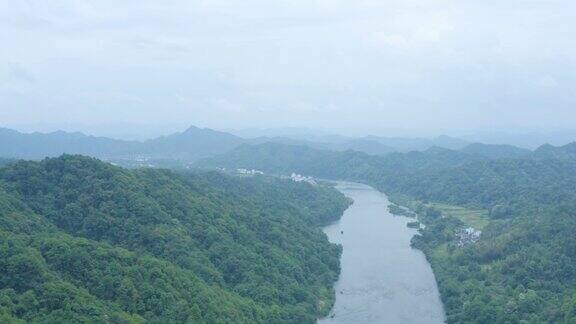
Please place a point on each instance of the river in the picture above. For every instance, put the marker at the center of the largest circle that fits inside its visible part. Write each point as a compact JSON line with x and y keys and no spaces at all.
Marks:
{"x":383,"y":279}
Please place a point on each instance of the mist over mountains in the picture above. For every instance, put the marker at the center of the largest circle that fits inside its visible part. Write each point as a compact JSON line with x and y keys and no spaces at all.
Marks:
{"x":195,"y":144}
{"x":192,"y":144}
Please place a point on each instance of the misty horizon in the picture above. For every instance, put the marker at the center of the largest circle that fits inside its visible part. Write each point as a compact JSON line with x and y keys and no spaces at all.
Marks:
{"x":387,"y":68}
{"x":131,"y":130}
{"x":135,"y":132}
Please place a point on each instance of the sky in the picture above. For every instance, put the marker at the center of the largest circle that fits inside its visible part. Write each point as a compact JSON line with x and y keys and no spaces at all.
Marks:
{"x":350,"y":66}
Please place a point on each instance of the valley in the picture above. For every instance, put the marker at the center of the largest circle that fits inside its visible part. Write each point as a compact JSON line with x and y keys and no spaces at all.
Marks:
{"x":242,"y":230}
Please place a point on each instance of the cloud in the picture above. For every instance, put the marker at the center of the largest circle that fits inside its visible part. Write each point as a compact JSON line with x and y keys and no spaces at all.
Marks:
{"x":547,"y":82}
{"x":15,"y":72}
{"x":301,"y":62}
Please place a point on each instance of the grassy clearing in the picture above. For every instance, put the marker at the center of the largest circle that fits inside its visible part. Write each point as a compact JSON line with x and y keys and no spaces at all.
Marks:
{"x":477,"y":218}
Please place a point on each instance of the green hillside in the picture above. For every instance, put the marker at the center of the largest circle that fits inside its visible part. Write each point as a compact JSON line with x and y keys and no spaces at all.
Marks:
{"x":84,"y":241}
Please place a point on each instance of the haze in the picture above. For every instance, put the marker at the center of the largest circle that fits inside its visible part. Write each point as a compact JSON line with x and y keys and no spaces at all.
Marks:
{"x":350,"y":66}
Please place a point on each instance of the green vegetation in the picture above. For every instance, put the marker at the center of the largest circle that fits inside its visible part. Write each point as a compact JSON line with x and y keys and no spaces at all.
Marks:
{"x":477,"y":218}
{"x":413,"y":224}
{"x":399,"y":211}
{"x":522,"y":269}
{"x":84,"y":241}
{"x":4,"y":161}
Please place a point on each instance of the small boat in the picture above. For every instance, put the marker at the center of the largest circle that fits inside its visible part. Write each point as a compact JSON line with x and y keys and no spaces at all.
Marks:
{"x":341,"y":232}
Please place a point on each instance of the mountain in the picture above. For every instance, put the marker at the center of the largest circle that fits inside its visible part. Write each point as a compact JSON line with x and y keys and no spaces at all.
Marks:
{"x":294,"y":133}
{"x":487,"y":183}
{"x":277,"y":158}
{"x":190,"y":145}
{"x":85,"y":241}
{"x":350,"y":165}
{"x":449,"y":142}
{"x":369,"y":144}
{"x":405,"y":144}
{"x":14,"y":144}
{"x":495,"y":151}
{"x":362,"y":145}
{"x":186,"y":147}
{"x":359,"y":144}
{"x":548,"y":151}
{"x":530,"y":140}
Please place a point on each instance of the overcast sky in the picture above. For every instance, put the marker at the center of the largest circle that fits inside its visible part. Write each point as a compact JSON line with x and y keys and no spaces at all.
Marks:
{"x":361,"y":66}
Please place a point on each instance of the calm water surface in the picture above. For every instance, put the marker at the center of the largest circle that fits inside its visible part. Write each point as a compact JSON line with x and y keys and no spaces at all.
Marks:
{"x":383,"y":279}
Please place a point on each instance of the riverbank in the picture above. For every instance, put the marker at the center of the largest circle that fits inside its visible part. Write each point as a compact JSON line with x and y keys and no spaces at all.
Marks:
{"x":447,"y":234}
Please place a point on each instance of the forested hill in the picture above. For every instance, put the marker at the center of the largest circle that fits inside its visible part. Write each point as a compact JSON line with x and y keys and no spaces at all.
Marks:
{"x":84,"y":241}
{"x":565,"y":152}
{"x":485,"y":184}
{"x":351,"y":165}
{"x":389,"y":172}
{"x":522,"y":269}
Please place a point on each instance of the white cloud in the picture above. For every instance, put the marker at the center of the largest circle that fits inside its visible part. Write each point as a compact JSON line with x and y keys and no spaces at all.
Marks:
{"x":394,"y":59}
{"x":548,"y":82}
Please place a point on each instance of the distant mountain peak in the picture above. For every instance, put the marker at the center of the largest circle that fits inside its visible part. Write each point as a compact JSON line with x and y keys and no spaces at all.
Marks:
{"x":548,"y":151}
{"x":193,"y":129}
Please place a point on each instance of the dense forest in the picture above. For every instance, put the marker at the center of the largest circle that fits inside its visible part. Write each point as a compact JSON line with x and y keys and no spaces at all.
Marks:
{"x":4,"y":161}
{"x":351,"y":165}
{"x":85,"y":241}
{"x":522,"y":269}
{"x":523,"y":266}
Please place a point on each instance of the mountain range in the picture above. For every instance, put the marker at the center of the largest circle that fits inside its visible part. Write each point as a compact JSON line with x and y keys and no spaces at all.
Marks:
{"x":195,"y":144}
{"x":192,"y":144}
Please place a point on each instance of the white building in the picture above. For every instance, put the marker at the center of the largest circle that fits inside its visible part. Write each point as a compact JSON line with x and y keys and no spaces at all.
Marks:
{"x":300,"y":178}
{"x":467,"y":236}
{"x":249,"y":172}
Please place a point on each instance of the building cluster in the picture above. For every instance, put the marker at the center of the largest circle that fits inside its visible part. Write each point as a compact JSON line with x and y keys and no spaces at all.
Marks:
{"x":134,"y":161}
{"x":300,"y":178}
{"x":249,"y":172}
{"x":467,"y":236}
